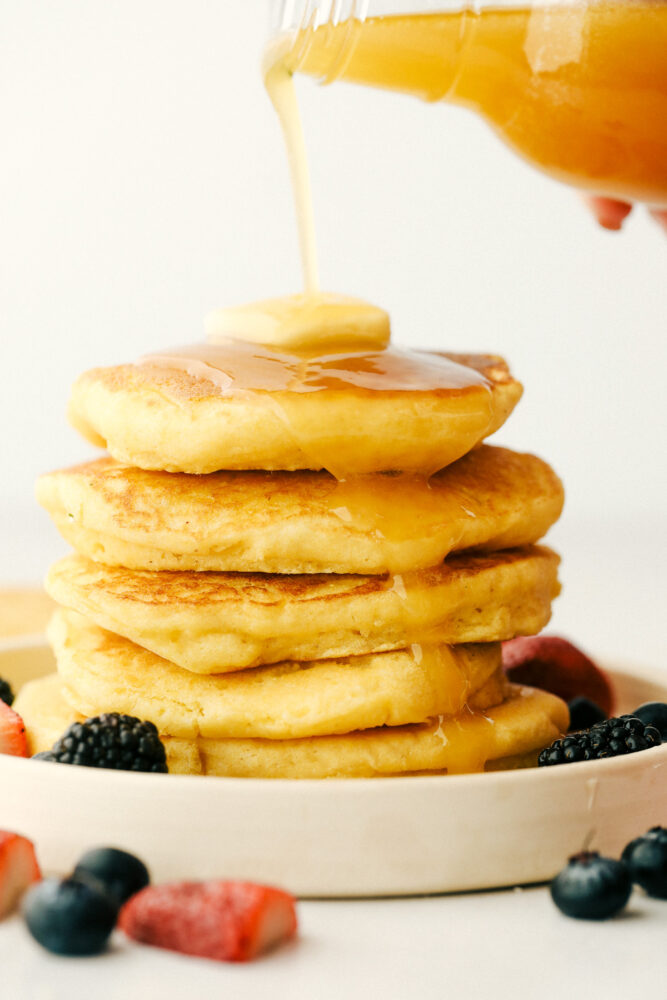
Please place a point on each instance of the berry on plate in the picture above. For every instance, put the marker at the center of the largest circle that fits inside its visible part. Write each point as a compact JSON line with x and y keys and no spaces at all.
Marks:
{"x":584,"y":713}
{"x":6,"y":693}
{"x":646,"y":858}
{"x":591,"y":887}
{"x":612,"y":738}
{"x":12,"y":732}
{"x":18,"y":869}
{"x":227,"y":921}
{"x":654,"y":713}
{"x":556,"y":665}
{"x":119,"y":742}
{"x":70,"y":916}
{"x":122,"y":874}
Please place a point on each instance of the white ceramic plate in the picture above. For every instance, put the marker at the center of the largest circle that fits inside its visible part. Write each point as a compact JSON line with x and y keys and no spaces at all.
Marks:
{"x":361,"y":837}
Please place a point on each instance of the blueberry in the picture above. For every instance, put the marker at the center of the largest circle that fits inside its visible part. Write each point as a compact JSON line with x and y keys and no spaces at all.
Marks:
{"x":6,"y":693}
{"x":654,"y":713}
{"x":120,"y":873}
{"x":646,"y":858}
{"x":591,"y":887}
{"x":70,"y":917}
{"x":584,"y":713}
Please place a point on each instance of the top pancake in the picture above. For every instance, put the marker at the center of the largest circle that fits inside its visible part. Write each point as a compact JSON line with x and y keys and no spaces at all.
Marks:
{"x":301,"y":522}
{"x":231,"y":406}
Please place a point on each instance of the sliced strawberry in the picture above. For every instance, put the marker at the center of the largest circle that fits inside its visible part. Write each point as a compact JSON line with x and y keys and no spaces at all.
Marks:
{"x":18,"y":869}
{"x":227,"y":921}
{"x":12,"y":732}
{"x":554,"y":664}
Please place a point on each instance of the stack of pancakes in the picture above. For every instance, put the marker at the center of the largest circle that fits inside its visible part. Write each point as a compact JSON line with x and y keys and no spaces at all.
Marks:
{"x":276,"y":621}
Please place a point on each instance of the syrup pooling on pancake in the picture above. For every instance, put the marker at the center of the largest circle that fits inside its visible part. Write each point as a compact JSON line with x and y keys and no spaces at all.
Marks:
{"x":469,"y":754}
{"x":241,"y":406}
{"x":337,"y":344}
{"x":236,"y":366}
{"x":277,"y":379}
{"x":301,"y":522}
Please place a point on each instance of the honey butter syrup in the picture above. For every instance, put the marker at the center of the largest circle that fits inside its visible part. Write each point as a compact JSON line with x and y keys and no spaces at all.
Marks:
{"x":578,"y":89}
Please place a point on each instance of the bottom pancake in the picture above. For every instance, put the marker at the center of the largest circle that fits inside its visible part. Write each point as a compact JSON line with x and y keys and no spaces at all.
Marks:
{"x":508,"y":735}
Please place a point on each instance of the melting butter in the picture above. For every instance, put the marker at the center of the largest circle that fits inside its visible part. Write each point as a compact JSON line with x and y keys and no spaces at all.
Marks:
{"x":314,"y":321}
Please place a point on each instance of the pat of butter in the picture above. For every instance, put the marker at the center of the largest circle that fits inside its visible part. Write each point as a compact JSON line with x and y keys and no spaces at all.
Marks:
{"x":312,"y":321}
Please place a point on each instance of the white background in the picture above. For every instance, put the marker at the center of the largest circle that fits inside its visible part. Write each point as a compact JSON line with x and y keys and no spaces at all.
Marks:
{"x":143,"y":182}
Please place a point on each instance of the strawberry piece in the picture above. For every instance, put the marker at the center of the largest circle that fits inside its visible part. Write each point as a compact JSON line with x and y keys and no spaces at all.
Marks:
{"x":555,"y":665}
{"x":18,"y":869}
{"x":12,"y":732}
{"x":227,"y":921}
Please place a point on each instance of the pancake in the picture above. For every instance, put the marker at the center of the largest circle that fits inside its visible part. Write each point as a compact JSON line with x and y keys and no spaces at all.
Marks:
{"x":46,"y":715}
{"x":241,"y":406}
{"x":103,"y":672}
{"x":508,"y":735}
{"x":213,"y":623}
{"x":301,"y":522}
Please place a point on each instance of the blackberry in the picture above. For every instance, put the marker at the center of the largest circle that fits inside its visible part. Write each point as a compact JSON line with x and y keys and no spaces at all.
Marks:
{"x":612,"y":738}
{"x":646,"y":857}
{"x":118,"y":742}
{"x":6,"y":693}
{"x":591,"y":887}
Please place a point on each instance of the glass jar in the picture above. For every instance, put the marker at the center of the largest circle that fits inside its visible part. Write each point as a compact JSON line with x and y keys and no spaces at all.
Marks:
{"x":579,"y":89}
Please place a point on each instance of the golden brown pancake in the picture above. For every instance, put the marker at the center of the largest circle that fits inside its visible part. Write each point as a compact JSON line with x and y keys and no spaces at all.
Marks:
{"x":241,"y":406}
{"x":46,"y":715}
{"x":507,"y":735}
{"x":219,"y":622}
{"x":102,"y":672}
{"x":301,"y":522}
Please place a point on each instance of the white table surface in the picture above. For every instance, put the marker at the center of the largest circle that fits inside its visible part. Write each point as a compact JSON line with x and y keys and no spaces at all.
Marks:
{"x":502,"y":944}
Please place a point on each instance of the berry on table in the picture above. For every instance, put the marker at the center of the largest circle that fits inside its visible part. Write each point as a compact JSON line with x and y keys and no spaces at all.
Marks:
{"x":227,"y":921}
{"x":654,"y":713}
{"x":612,"y":738}
{"x":646,"y":858}
{"x":584,"y":713}
{"x":18,"y":869}
{"x":556,"y":665}
{"x":122,"y":874}
{"x":119,"y":742}
{"x":6,"y":693}
{"x":70,"y":916}
{"x":591,"y":887}
{"x":12,"y":732}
